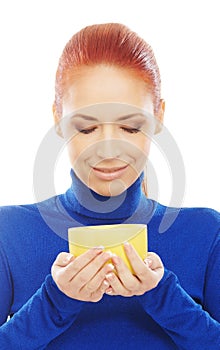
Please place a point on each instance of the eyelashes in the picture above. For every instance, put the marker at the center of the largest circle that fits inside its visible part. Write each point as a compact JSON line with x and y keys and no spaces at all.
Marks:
{"x":87,"y":131}
{"x":125,"y":129}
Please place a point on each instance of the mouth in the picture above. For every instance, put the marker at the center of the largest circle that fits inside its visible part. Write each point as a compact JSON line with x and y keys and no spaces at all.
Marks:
{"x":110,"y":170}
{"x":110,"y":173}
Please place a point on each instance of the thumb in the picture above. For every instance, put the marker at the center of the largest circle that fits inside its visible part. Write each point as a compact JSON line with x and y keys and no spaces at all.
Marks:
{"x":63,"y":259}
{"x":153,"y":261}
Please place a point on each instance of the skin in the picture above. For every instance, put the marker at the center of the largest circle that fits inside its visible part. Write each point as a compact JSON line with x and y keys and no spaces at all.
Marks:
{"x":107,"y":146}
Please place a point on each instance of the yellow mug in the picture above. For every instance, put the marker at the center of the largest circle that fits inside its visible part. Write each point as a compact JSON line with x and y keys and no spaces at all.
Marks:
{"x":111,"y":237}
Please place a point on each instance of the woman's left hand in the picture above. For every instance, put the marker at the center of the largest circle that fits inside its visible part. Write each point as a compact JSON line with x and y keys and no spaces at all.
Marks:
{"x":148,"y":274}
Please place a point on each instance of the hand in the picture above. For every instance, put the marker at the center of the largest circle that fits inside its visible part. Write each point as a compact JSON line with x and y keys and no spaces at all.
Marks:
{"x":148,"y":274}
{"x":82,"y":277}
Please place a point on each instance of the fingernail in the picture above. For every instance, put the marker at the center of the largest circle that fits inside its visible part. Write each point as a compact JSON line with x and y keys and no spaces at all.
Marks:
{"x":68,"y":257}
{"x":109,"y":253}
{"x":99,"y":247}
{"x":148,"y":261}
{"x":109,"y":275}
{"x":111,"y":266}
{"x":127,"y":246}
{"x":106,"y":283}
{"x":108,"y":291}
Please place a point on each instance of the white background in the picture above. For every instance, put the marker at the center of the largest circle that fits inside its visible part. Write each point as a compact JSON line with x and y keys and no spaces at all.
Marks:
{"x":185,"y":39}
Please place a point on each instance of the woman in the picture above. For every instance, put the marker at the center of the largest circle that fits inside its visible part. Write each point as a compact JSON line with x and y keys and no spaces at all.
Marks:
{"x":107,"y":108}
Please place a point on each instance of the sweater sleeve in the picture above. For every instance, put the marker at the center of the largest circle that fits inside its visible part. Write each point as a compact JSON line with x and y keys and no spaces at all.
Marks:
{"x":46,"y":315}
{"x":190,"y":326}
{"x":212,"y":281}
{"x":5,"y":287}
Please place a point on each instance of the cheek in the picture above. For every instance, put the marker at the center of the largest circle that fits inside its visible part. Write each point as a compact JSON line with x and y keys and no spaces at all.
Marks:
{"x":74,"y":150}
{"x":146,"y":146}
{"x":141,"y":146}
{"x":79,"y":151}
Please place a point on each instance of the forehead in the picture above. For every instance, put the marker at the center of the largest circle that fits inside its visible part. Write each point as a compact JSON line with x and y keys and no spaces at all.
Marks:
{"x":109,"y":112}
{"x":103,"y":84}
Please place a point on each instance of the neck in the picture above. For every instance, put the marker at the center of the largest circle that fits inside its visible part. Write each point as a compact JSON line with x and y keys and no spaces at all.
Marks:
{"x":86,"y":202}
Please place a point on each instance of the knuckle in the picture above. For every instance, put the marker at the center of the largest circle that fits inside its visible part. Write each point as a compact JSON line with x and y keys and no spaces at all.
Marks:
{"x":155,"y":257}
{"x":134,"y":287}
{"x":91,"y":287}
{"x":142,"y":274}
{"x":130,"y":286}
{"x":60,"y":256}
{"x":82,"y":279}
{"x":152,"y":255}
{"x":86,"y":294}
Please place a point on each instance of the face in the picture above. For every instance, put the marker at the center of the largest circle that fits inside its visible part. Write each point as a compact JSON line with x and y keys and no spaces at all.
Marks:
{"x":107,"y":124}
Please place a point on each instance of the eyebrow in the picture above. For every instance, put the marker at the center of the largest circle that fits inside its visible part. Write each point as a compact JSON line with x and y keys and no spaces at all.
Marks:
{"x":125,"y":117}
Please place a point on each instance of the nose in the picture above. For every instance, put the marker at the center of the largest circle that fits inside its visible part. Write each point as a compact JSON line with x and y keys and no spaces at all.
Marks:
{"x":109,"y":146}
{"x":108,"y":149}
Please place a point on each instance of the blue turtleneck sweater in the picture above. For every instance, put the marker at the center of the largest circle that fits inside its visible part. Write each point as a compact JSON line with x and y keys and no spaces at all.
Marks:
{"x":182,"y":312}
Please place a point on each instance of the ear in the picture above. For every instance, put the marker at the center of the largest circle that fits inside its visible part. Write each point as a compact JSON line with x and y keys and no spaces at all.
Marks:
{"x":57,"y":121}
{"x":160,"y":117}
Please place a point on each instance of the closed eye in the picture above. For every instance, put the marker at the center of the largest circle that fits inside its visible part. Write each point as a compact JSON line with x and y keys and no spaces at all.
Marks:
{"x":88,"y":131}
{"x":130,"y":130}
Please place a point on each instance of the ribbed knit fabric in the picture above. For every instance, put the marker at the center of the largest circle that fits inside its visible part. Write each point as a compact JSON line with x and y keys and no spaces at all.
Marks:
{"x":182,"y":312}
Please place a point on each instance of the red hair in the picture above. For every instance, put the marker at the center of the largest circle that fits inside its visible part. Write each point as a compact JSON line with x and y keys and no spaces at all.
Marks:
{"x":112,"y":44}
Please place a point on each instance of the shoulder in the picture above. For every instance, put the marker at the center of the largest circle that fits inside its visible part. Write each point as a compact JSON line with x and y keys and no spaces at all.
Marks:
{"x":189,"y":219}
{"x":178,"y":234}
{"x":14,"y":218}
{"x":12,"y":215}
{"x":15,"y":212}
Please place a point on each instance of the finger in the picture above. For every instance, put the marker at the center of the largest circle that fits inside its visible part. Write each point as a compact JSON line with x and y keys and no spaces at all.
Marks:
{"x":129,"y":281}
{"x":103,"y":287}
{"x":109,"y":291}
{"x":90,"y":270}
{"x":81,"y":262}
{"x":63,"y":259}
{"x":116,"y":286}
{"x":140,"y":268}
{"x":153,"y":261}
{"x":98,"y":294}
{"x":97,"y":281}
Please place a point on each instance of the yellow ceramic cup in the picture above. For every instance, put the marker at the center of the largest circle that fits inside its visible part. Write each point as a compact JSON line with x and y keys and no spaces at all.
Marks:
{"x":111,"y":237}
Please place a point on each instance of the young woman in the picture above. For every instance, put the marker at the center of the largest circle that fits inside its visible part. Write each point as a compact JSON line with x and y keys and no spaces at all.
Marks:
{"x":107,"y":108}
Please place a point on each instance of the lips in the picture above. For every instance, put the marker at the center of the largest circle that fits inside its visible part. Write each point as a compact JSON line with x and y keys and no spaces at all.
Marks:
{"x":109,"y":174}
{"x":110,"y":170}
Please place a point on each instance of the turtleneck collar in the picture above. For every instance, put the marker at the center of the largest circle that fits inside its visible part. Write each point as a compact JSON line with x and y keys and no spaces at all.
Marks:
{"x":82,"y":200}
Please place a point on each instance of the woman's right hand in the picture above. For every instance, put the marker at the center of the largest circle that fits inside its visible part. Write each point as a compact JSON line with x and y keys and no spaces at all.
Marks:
{"x":82,"y":277}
